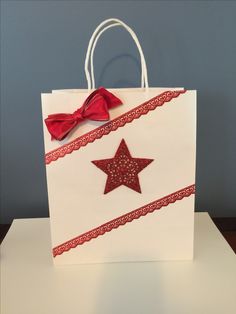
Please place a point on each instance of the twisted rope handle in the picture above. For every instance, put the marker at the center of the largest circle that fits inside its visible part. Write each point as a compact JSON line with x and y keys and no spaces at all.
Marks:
{"x":92,"y":44}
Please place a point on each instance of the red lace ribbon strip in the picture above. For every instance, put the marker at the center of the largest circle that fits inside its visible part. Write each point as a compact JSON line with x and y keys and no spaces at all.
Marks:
{"x":122,"y":220}
{"x":112,"y":125}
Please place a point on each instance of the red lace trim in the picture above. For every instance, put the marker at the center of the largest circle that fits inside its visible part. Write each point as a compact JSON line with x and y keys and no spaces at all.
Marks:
{"x":112,"y":125}
{"x":122,"y":220}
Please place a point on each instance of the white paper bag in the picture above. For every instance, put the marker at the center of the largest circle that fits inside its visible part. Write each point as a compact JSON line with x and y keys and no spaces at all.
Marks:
{"x":123,"y":189}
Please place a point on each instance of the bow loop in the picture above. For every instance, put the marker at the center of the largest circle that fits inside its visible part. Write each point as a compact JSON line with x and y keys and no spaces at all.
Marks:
{"x":96,"y":107}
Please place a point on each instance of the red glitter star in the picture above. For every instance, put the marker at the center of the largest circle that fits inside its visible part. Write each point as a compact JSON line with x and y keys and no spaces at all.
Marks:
{"x":123,"y":169}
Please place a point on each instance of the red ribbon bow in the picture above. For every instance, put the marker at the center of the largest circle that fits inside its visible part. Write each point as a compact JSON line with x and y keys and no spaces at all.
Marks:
{"x":94,"y":108}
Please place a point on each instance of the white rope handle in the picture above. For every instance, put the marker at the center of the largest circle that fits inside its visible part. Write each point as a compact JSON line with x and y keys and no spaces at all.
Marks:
{"x":144,"y":80}
{"x":92,"y":54}
{"x":92,"y":44}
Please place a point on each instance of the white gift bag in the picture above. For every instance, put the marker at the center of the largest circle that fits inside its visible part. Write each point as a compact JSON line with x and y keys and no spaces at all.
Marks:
{"x":121,"y":172}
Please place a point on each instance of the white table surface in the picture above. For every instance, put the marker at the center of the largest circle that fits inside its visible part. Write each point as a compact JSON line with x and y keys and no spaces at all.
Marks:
{"x":30,"y":284}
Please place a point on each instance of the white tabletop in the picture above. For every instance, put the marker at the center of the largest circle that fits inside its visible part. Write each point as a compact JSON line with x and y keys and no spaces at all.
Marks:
{"x":30,"y":284}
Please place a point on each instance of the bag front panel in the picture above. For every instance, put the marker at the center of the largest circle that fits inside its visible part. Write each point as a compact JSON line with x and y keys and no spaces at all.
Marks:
{"x":76,"y":186}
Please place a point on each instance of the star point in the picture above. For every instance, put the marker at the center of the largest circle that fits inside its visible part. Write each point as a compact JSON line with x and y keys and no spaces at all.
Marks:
{"x":122,"y":169}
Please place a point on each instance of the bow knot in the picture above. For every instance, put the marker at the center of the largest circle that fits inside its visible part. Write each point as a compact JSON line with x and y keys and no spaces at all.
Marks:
{"x":78,"y":115}
{"x":96,"y":107}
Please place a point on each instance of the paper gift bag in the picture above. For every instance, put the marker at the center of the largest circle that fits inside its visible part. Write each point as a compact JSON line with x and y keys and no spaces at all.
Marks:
{"x":120,"y":167}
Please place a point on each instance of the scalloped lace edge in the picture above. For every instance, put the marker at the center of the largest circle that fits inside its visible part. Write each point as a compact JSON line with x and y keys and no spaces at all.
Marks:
{"x":122,"y":220}
{"x":112,"y":125}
